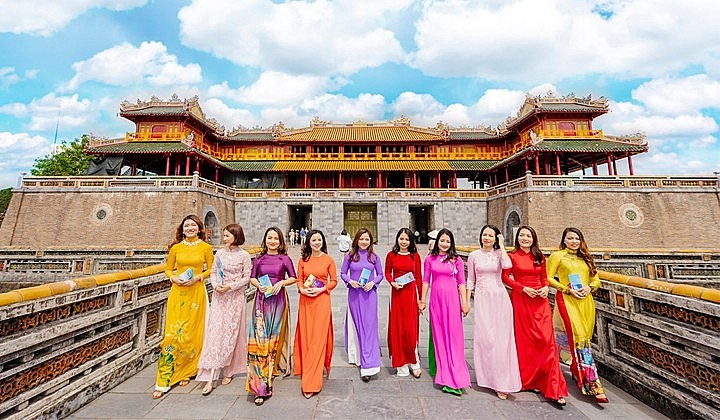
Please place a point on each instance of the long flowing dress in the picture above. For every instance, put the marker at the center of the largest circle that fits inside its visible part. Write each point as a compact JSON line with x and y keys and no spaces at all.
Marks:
{"x":225,"y":344}
{"x":494,"y":353}
{"x":444,"y":278}
{"x":313,"y":348}
{"x":534,"y":335}
{"x":573,"y":318}
{"x":185,"y":318}
{"x":403,"y":322}
{"x":362,"y":341}
{"x":269,"y":336}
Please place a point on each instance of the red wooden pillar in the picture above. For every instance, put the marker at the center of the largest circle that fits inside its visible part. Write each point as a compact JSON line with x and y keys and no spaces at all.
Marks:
{"x":177,"y":165}
{"x":495,"y":181}
{"x":167,"y":165}
{"x":340,"y":179}
{"x":557,"y":164}
{"x":197,"y":166}
{"x":615,"y":171}
{"x":453,"y":180}
{"x":537,"y":164}
{"x":594,"y":166}
{"x":217,"y":174}
{"x":527,"y":165}
{"x":438,"y":180}
{"x":630,"y":167}
{"x":379,"y":183}
{"x":609,"y":164}
{"x":306,"y":181}
{"x":414,"y":179}
{"x":507,"y":174}
{"x":187,"y":165}
{"x":133,"y":169}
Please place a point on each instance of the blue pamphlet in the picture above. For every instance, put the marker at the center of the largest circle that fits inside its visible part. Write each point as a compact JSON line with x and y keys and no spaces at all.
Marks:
{"x":575,"y":282}
{"x":186,"y":275}
{"x":220,"y":272}
{"x":364,"y":276}
{"x":405,"y":279}
{"x":265,"y":282}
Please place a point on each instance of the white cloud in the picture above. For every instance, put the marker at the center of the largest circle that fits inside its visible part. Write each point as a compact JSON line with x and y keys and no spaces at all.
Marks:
{"x":227,"y":116}
{"x":276,"y":88}
{"x":679,"y":95}
{"x":8,"y":76}
{"x":125,"y":64}
{"x":299,"y":37}
{"x":45,"y":17}
{"x":537,"y":40}
{"x":18,"y":152}
{"x":51,"y":110}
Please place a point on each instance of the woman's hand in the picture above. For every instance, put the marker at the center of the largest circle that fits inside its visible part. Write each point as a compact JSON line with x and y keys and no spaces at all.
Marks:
{"x":501,"y":241}
{"x":465,"y":308}
{"x":396,"y":285}
{"x":530,"y":291}
{"x":277,"y":287}
{"x":368,"y":286}
{"x":354,"y":284}
{"x":421,"y":306}
{"x":222,"y":288}
{"x":578,"y":294}
{"x":543,"y":292}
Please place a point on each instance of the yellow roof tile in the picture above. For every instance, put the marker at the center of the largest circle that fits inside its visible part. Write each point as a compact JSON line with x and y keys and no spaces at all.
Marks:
{"x":362,"y":133}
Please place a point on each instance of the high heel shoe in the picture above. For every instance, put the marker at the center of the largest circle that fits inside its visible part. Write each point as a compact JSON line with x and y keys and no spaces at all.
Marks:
{"x":601,"y":398}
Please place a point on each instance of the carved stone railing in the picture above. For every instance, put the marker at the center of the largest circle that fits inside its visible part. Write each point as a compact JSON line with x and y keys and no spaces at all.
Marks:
{"x":63,"y":344}
{"x":659,"y":341}
{"x":26,"y":266}
{"x":536,"y":182}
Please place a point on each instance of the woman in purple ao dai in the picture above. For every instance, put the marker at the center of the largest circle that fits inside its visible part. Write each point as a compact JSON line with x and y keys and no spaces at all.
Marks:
{"x":494,"y":352}
{"x":444,"y":273}
{"x":361,"y":323}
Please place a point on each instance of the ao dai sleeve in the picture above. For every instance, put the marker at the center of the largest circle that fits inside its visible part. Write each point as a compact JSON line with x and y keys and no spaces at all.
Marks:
{"x":427,"y":269}
{"x":241,"y":278}
{"x":389,"y":276}
{"x":378,"y":270}
{"x":553,"y":263}
{"x":595,"y":281}
{"x":289,"y":269}
{"x":417,"y":272}
{"x":214,"y":270}
{"x":209,"y":259}
{"x":472,"y":259}
{"x":460,"y":268}
{"x":332,"y":274}
{"x":505,"y":261}
{"x":170,"y":264}
{"x":508,"y":279}
{"x":345,"y":269}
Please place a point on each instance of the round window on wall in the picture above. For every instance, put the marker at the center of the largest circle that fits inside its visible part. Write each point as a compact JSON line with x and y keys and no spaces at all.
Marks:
{"x":101,"y":213}
{"x":631,"y":215}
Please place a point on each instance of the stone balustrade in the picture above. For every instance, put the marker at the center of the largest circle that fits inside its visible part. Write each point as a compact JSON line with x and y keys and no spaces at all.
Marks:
{"x":659,"y":341}
{"x":64,"y":343}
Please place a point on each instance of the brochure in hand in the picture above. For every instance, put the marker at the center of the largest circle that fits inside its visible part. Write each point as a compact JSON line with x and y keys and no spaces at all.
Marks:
{"x":364,"y":276}
{"x":405,"y":279}
{"x":265,"y":282}
{"x":311,"y":281}
{"x":220,"y":272}
{"x":186,"y":275}
{"x":575,"y":282}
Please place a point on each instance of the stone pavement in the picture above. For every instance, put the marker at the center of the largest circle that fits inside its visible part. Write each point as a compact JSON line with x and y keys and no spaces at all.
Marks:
{"x":344,"y":395}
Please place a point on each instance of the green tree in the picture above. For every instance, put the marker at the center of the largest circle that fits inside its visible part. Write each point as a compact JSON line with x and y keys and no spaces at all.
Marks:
{"x":5,"y":196}
{"x":68,"y":160}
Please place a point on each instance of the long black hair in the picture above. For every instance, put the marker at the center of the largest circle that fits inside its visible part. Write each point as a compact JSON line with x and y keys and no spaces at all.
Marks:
{"x":534,"y":248}
{"x":451,"y":252}
{"x":306,"y":251}
{"x":412,"y":248}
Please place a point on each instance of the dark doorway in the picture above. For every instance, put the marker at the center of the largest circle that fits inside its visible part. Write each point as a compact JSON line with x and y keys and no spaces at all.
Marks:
{"x":395,"y":180}
{"x":300,"y":217}
{"x":420,"y":217}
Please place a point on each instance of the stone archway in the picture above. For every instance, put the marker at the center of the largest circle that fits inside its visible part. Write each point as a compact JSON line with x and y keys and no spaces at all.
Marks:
{"x":212,"y":229}
{"x":512,"y":222}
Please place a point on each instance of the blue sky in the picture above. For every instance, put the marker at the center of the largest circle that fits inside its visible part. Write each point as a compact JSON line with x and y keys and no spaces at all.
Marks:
{"x":67,"y":64}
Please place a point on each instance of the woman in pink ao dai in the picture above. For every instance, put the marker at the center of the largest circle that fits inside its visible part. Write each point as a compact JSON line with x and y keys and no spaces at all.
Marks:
{"x":494,"y":351}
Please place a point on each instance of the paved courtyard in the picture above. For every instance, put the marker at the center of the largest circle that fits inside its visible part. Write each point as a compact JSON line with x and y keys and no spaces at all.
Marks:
{"x":344,"y":395}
